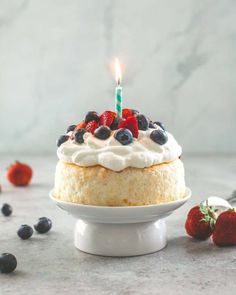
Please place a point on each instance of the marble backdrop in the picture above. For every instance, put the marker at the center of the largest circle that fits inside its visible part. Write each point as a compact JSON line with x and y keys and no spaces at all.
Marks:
{"x":179,"y":61}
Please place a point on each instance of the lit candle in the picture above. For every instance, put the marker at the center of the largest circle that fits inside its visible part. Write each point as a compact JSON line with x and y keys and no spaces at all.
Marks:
{"x":118,"y":93}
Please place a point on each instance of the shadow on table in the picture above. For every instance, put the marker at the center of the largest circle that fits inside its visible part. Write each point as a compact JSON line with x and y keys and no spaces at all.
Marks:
{"x":193,"y":246}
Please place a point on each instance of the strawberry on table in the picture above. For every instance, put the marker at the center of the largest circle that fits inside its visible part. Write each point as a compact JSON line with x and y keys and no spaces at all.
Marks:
{"x":225,"y":229}
{"x":200,"y":222}
{"x":107,"y":118}
{"x":130,"y":123}
{"x":91,"y":126}
{"x":19,"y":174}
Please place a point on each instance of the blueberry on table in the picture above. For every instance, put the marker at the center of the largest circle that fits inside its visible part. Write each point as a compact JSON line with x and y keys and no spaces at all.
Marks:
{"x":25,"y":231}
{"x":8,"y":263}
{"x":143,"y":122}
{"x":91,"y":116}
{"x":124,"y":136}
{"x":43,"y":225}
{"x":103,"y":132}
{"x":160,"y":125}
{"x":79,"y":135}
{"x":6,"y":209}
{"x":71,"y":128}
{"x":62,"y":139}
{"x":159,"y":136}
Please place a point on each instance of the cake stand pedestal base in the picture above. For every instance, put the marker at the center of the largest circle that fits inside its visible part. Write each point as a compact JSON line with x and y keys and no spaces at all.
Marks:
{"x":126,"y":239}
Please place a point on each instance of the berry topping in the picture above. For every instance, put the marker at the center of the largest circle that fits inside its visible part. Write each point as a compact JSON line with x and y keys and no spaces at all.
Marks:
{"x":225,"y":229}
{"x":124,"y":136}
{"x":91,"y":116}
{"x":91,"y":126}
{"x":81,"y":124}
{"x":62,"y":139}
{"x":79,"y":135}
{"x":116,"y":122}
{"x":25,"y":231}
{"x":6,"y":209}
{"x":152,"y":125}
{"x":107,"y":118}
{"x":43,"y":225}
{"x":143,"y":122}
{"x":200,"y":222}
{"x":19,"y":174}
{"x":71,"y":128}
{"x":127,"y":113}
{"x":159,"y":136}
{"x":160,"y":124}
{"x":8,"y":263}
{"x":135,"y":112}
{"x":102,"y":132}
{"x":131,"y":124}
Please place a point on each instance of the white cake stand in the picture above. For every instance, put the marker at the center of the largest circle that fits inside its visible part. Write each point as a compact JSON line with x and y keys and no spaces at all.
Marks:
{"x":120,"y":231}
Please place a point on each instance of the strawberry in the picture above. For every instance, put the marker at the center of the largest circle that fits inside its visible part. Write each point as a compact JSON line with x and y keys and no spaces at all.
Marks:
{"x":130,"y":123}
{"x":107,"y":118}
{"x":19,"y":174}
{"x":200,"y":222}
{"x":225,"y":229}
{"x":91,"y":126}
{"x":127,"y":113}
{"x":82,"y":124}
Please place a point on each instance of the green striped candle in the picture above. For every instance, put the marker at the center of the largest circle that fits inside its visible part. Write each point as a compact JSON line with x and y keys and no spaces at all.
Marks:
{"x":118,"y":101}
{"x":118,"y":93}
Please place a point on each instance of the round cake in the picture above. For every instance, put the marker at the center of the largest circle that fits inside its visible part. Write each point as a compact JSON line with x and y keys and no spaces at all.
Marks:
{"x":110,"y":161}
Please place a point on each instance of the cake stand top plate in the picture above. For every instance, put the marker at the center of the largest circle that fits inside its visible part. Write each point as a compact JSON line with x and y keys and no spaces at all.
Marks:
{"x":128,"y":214}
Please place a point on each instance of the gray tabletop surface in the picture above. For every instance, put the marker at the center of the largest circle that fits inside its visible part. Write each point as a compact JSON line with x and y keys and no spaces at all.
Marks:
{"x":49,"y":264}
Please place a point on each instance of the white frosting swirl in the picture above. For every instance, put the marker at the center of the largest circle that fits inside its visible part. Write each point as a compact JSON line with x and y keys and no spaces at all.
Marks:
{"x":142,"y":152}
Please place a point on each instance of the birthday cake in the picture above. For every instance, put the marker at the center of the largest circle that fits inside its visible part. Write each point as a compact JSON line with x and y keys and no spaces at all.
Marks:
{"x":128,"y":160}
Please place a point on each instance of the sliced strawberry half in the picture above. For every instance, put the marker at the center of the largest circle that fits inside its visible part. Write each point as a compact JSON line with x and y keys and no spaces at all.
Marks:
{"x":107,"y":118}
{"x":91,"y":126}
{"x":127,"y":113}
{"x":82,"y":124}
{"x":130,"y":123}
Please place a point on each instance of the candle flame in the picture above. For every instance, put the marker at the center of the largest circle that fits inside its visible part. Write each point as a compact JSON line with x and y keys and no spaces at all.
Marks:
{"x":118,"y":71}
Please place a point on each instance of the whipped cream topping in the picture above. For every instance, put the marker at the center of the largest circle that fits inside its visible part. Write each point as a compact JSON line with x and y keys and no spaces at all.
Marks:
{"x":109,"y":153}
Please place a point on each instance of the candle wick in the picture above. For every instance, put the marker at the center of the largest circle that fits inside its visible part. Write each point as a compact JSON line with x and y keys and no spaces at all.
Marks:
{"x":118,"y":82}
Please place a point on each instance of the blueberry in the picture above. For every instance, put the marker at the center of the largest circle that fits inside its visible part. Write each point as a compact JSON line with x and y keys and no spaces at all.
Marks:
{"x":124,"y":136}
{"x":6,"y":209}
{"x":135,"y":112}
{"x":71,"y":128}
{"x":143,"y":122}
{"x":91,"y":116}
{"x":79,"y":135}
{"x":43,"y":225}
{"x":62,"y":139}
{"x":103,"y":132}
{"x":25,"y":231}
{"x":8,"y":263}
{"x":116,"y":122}
{"x":159,"y":136}
{"x":152,"y":125}
{"x":160,"y":124}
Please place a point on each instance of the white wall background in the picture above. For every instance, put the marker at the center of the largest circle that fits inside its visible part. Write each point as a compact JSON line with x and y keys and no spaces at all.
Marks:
{"x":180,"y":67}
